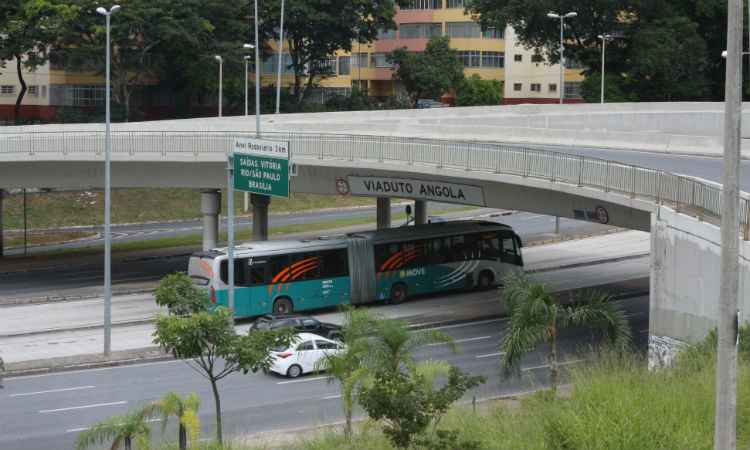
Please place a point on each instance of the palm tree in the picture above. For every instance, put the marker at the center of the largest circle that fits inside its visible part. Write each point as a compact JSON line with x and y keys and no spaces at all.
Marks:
{"x":536,"y":316}
{"x":393,"y":344}
{"x":120,"y":430}
{"x":186,"y":412}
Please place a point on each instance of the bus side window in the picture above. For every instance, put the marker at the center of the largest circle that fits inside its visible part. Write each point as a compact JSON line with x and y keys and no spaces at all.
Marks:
{"x":305,"y":266}
{"x":240,"y":278}
{"x":383,"y":255}
{"x":458,"y":249}
{"x":435,"y":251}
{"x":509,"y":250}
{"x":488,"y":246}
{"x":414,"y":253}
{"x":276,"y":265}
{"x":335,"y":263}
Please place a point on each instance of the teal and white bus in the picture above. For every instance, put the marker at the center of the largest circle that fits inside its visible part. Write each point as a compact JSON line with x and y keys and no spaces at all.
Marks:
{"x":388,"y":265}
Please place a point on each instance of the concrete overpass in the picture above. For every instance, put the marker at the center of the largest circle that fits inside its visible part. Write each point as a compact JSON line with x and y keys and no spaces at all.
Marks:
{"x":681,"y":212}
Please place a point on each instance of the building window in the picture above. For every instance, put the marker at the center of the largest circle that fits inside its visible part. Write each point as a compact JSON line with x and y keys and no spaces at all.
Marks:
{"x":360,"y":60}
{"x":386,"y":34}
{"x":344,"y":65}
{"x":470,"y":58}
{"x":493,"y":59}
{"x":7,"y":89}
{"x":463,"y":30}
{"x":34,"y":91}
{"x":455,"y":4}
{"x":44,"y":91}
{"x":423,"y":4}
{"x":553,"y":87}
{"x":381,"y":61}
{"x":537,"y":58}
{"x":420,"y":30}
{"x":326,"y":66}
{"x":493,"y":33}
{"x":517,"y":86}
{"x":518,"y":58}
{"x":536,"y":87}
{"x":271,"y":65}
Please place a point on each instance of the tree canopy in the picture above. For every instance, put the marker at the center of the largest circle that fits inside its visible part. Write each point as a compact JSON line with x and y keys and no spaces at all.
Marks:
{"x":664,"y":50}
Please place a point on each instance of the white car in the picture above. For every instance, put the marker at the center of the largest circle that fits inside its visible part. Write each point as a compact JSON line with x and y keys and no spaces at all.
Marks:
{"x":303,"y":354}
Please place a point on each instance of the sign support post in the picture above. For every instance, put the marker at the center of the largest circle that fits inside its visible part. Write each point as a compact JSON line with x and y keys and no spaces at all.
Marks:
{"x":230,"y":233}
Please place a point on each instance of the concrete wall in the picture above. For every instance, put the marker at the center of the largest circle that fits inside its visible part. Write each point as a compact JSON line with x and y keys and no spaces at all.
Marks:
{"x":685,"y":280}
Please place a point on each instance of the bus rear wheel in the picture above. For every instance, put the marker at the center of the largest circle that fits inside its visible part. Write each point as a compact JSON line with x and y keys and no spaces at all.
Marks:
{"x":398,"y":293}
{"x":486,"y":280}
{"x":283,"y":305}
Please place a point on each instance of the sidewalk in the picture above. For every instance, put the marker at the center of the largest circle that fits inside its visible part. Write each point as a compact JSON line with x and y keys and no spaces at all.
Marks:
{"x":41,"y":335}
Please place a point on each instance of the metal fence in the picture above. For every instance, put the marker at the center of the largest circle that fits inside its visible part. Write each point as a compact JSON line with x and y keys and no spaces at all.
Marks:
{"x":690,"y":196}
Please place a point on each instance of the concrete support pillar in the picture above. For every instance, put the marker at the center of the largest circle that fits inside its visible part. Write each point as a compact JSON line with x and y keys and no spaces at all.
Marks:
{"x":210,"y":208}
{"x":384,"y":213}
{"x":260,"y":216}
{"x":420,"y":212}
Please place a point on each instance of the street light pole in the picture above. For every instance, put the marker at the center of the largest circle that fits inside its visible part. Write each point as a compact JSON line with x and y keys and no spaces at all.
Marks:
{"x":221,"y":76}
{"x":562,"y":18}
{"x":247,"y":59}
{"x":107,"y":193}
{"x":725,"y":421}
{"x":281,"y":57}
{"x":604,"y":38}
{"x":257,"y":74}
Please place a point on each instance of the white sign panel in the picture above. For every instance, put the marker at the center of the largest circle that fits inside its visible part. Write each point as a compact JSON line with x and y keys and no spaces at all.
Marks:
{"x":261,"y":147}
{"x":438,"y":191}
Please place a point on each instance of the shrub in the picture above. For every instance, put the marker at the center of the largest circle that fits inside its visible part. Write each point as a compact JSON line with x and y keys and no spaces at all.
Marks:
{"x":475,"y":91}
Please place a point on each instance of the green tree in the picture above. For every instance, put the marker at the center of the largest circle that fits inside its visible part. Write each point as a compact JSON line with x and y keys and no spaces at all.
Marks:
{"x":536,"y":316}
{"x":475,"y":91}
{"x":185,"y":410}
{"x":316,"y":29}
{"x":616,"y":89}
{"x":209,"y":344}
{"x":121,"y":431}
{"x":180,"y":295}
{"x":348,"y":367}
{"x":147,"y":38}
{"x":391,"y":344}
{"x":408,"y":402}
{"x":28,"y":28}
{"x":431,"y":73}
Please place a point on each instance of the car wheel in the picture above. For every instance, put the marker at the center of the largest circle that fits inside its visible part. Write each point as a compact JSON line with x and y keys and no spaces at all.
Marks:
{"x":283,"y":305}
{"x":486,"y":280}
{"x":398,"y":293}
{"x":294,"y":371}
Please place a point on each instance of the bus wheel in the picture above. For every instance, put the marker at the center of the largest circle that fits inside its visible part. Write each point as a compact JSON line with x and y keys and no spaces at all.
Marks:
{"x":283,"y":305}
{"x":486,"y":280}
{"x":398,"y":293}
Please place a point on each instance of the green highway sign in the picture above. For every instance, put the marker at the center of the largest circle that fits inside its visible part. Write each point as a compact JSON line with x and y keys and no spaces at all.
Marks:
{"x":261,"y":166}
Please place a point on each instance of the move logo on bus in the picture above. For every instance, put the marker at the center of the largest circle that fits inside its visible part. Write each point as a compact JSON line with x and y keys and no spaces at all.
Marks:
{"x":261,"y":166}
{"x":417,"y":189}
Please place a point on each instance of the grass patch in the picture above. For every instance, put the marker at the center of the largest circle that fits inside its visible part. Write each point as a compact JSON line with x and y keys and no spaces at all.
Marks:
{"x":16,"y":239}
{"x":86,"y":208}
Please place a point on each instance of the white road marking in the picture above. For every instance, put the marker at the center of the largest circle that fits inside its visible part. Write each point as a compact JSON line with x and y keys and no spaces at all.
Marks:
{"x":459,"y":341}
{"x":76,"y":430}
{"x":95,"y":405}
{"x":331,"y":397}
{"x":546,"y":366}
{"x":26,"y":394}
{"x":469,"y":324}
{"x":302,"y":381}
{"x":490,"y":355}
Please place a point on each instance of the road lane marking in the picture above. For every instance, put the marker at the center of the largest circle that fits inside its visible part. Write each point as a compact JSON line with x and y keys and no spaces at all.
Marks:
{"x":490,"y":355}
{"x":546,"y":366}
{"x":459,"y":341}
{"x":461,"y":325}
{"x":331,"y":397}
{"x":76,"y":430}
{"x":95,"y":405}
{"x":302,"y":381}
{"x":51,"y":391}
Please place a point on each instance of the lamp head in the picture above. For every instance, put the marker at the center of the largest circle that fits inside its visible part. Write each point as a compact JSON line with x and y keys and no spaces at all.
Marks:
{"x":571,"y":14}
{"x":724,"y":54}
{"x":552,"y":15}
{"x":247,"y":58}
{"x":249,"y":46}
{"x":114,"y":9}
{"x":101,"y":11}
{"x":217,"y":57}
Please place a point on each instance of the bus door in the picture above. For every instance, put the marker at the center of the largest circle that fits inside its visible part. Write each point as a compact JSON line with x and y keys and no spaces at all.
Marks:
{"x":335,"y":286}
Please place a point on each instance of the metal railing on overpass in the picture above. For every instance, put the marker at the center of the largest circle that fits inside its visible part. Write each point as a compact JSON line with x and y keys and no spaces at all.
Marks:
{"x":688,"y":195}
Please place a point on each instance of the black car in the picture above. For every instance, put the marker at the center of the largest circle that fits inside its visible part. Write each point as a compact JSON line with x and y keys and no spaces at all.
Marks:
{"x":299,"y":323}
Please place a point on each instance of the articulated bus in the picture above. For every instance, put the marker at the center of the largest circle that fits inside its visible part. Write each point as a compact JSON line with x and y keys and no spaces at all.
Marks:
{"x":387,"y":265}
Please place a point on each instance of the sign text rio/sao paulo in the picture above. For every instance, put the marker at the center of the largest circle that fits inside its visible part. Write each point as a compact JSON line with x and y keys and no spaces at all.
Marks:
{"x":261,"y":166}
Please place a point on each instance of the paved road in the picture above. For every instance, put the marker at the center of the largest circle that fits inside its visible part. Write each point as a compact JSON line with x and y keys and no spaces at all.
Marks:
{"x":87,"y":279}
{"x":48,"y":411}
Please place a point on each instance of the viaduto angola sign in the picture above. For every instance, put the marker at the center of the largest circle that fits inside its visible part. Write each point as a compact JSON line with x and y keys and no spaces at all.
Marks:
{"x":438,"y":191}
{"x":261,"y":166}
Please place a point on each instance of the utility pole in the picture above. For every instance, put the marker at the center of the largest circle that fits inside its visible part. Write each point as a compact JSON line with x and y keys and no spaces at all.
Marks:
{"x":281,"y":57}
{"x":725,"y":421}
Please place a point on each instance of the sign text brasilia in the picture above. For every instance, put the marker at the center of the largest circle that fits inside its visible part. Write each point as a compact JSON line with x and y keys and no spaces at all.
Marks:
{"x":439,"y":191}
